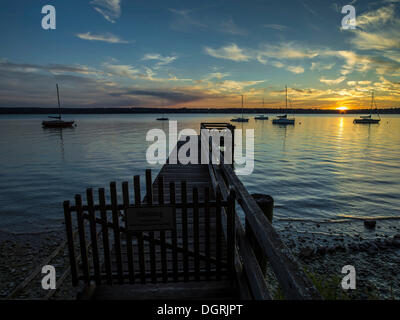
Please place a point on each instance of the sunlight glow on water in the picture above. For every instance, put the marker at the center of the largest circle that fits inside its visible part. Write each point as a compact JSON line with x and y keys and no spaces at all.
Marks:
{"x":321,"y":168}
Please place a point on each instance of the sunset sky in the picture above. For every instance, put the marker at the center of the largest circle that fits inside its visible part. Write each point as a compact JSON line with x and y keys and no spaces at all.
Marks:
{"x":120,"y":53}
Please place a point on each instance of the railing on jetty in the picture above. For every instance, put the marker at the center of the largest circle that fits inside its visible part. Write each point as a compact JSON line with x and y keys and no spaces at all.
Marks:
{"x":292,"y":279}
{"x":207,"y":240}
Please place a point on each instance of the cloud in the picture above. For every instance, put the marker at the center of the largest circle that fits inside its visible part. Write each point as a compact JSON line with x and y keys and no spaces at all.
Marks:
{"x":161,"y":60}
{"x":106,"y":37}
{"x":377,"y":30}
{"x":385,"y":63}
{"x":332,"y":82}
{"x":295,"y":69}
{"x":184,"y":21}
{"x":172,"y":96}
{"x":230,"y":52}
{"x":51,"y":68}
{"x":376,"y":18}
{"x":236,"y":86}
{"x":109,"y":9}
{"x":230,"y":27}
{"x":122,"y":70}
{"x":321,"y":66}
{"x":216,"y":75}
{"x":279,"y":27}
{"x":288,"y":50}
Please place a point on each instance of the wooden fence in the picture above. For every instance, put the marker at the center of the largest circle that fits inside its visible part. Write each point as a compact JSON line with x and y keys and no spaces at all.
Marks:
{"x":191,"y":250}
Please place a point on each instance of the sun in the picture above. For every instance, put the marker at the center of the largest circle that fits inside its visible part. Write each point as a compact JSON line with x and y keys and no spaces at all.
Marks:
{"x":342,"y":108}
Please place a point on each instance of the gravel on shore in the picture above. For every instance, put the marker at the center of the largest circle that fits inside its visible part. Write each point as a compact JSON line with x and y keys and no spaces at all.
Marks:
{"x":376,"y":258}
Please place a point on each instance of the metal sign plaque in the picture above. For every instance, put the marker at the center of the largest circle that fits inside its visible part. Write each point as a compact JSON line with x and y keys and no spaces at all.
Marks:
{"x":150,"y":218}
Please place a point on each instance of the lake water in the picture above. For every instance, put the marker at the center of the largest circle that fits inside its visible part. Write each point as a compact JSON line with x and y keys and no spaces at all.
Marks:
{"x":323,"y":168}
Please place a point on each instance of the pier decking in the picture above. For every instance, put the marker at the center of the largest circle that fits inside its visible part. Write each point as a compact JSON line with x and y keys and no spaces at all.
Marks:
{"x":205,"y":255}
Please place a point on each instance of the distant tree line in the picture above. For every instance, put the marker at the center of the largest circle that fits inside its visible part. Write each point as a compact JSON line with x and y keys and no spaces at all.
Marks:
{"x":186,"y":110}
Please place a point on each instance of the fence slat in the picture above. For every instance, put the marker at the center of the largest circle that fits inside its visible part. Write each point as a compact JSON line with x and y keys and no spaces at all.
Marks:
{"x":149,"y":200}
{"x":196,"y":233}
{"x":139,"y":235}
{"x":185,"y":232}
{"x":231,"y":234}
{"x":219,"y":234}
{"x":129,"y":249}
{"x":82,"y":238}
{"x":162,"y":233}
{"x":70,"y":240}
{"x":117,"y":235}
{"x":105,"y":236}
{"x":172,"y":201}
{"x":207,"y":230}
{"x":93,"y":235}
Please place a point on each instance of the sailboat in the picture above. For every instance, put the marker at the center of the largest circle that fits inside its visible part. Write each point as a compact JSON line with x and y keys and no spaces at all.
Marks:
{"x":59,"y":123}
{"x":261,"y":116}
{"x":163,"y":118}
{"x":242,"y":119}
{"x":283,"y":119}
{"x":368,"y":119}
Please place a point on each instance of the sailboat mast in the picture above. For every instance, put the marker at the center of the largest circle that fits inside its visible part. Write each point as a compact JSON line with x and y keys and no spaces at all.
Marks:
{"x":242,"y":106}
{"x":372,"y":103}
{"x":59,"y":106}
{"x":286,"y":98}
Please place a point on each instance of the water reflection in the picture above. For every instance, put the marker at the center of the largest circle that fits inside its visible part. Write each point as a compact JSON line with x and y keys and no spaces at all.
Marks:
{"x":58,"y":132}
{"x":323,"y":168}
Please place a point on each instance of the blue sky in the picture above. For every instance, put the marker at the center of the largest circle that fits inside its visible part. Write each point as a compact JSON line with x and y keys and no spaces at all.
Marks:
{"x":120,"y":53}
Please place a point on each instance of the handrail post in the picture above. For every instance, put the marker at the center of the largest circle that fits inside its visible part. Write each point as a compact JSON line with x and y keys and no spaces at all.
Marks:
{"x":231,"y":234}
{"x":266,"y":204}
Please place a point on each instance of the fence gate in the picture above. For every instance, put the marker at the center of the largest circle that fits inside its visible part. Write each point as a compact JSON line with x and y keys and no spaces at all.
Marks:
{"x":174,"y":235}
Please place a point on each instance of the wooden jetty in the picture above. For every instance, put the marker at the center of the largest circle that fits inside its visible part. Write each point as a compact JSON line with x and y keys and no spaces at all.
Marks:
{"x":183,"y":240}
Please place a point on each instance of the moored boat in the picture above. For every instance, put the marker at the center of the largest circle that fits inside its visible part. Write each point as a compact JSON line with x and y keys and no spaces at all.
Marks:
{"x":368,"y":119}
{"x":261,"y":116}
{"x":242,"y":119}
{"x":283,"y":119}
{"x":58,"y":123}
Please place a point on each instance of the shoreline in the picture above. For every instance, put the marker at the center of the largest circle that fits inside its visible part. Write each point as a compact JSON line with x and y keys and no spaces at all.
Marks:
{"x":376,"y":259}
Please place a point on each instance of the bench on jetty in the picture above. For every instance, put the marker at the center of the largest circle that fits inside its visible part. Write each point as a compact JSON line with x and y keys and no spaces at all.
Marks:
{"x":183,"y":240}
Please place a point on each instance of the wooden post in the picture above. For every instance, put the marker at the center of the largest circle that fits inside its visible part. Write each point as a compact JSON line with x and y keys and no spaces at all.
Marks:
{"x":104,"y":230}
{"x":164,"y":264}
{"x":207,"y":231}
{"x":139,"y":235}
{"x":219,"y":233}
{"x":71,"y":247}
{"x":231,"y":234}
{"x":266,"y":204}
{"x":129,"y":248}
{"x":185,"y":231}
{"x":117,"y":236}
{"x":196,"y":233}
{"x":82,"y":238}
{"x":149,"y":200}
{"x":172,"y":201}
{"x":93,"y":235}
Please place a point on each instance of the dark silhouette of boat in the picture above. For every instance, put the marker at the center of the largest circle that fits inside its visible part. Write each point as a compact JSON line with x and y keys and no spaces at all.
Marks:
{"x":283,"y":119}
{"x":242,"y":119}
{"x":368,"y":119}
{"x":261,"y":116}
{"x":58,"y":123}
